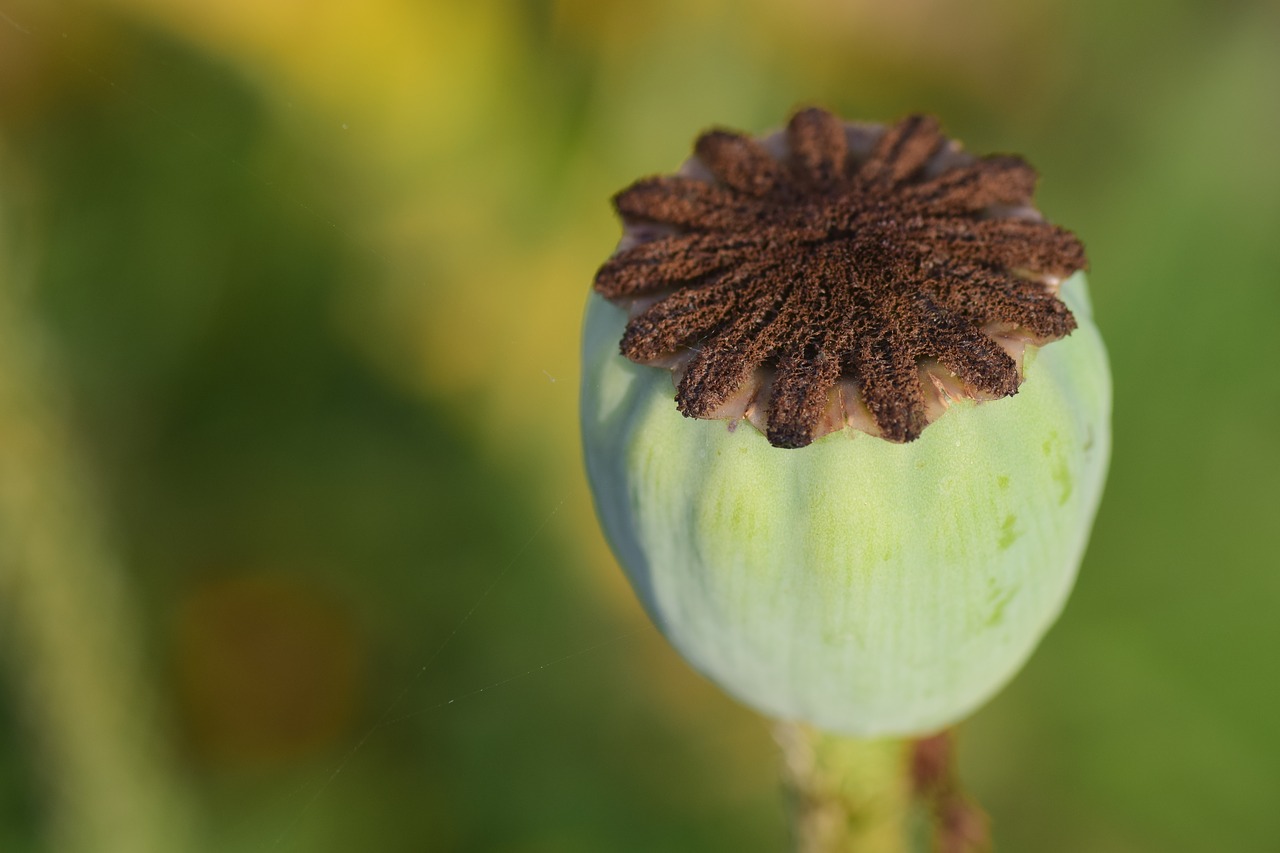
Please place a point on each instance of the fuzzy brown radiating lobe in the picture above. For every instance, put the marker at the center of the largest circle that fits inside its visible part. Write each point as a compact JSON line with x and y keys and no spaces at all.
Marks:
{"x":818,"y":148}
{"x":992,"y":180}
{"x":902,"y":151}
{"x":822,"y":265}
{"x":671,"y":262}
{"x":738,"y":162}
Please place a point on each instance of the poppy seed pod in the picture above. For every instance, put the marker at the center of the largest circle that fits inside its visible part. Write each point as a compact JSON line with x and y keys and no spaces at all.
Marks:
{"x":891,"y":421}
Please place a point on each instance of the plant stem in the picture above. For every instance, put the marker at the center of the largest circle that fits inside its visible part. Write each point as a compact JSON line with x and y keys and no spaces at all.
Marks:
{"x":71,"y":635}
{"x":846,"y":794}
{"x":849,"y":795}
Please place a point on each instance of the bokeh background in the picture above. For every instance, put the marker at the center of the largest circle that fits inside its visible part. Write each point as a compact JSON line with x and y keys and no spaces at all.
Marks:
{"x":296,"y":552}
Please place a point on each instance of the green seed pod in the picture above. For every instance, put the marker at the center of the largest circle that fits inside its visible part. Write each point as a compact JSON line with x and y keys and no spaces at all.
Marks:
{"x":843,"y":287}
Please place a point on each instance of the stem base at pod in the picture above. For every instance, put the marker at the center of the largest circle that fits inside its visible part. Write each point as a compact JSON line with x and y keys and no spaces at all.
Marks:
{"x":863,"y":586}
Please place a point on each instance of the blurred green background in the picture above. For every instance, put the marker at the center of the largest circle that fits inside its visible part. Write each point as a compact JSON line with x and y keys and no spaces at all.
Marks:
{"x":295,"y":548}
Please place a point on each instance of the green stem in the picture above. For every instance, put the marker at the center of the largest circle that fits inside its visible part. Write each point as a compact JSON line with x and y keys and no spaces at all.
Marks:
{"x":849,"y":795}
{"x":70,"y":631}
{"x":846,"y":794}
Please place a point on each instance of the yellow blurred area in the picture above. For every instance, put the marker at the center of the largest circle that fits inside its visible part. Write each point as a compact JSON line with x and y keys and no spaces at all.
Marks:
{"x":414,"y":97}
{"x":421,"y":103}
{"x":410,"y":77}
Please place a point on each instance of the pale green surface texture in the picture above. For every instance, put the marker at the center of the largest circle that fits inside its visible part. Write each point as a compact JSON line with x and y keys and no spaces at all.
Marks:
{"x":866,"y":587}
